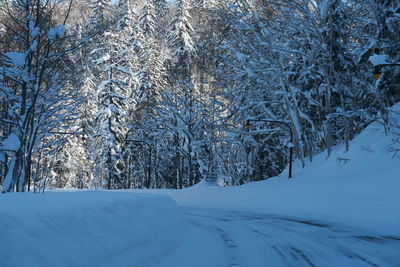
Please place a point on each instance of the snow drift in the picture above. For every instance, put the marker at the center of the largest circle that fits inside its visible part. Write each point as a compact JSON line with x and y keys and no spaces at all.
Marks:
{"x":87,"y":229}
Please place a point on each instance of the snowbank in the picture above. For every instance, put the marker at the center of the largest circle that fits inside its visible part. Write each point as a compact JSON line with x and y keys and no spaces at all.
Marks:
{"x":87,"y":229}
{"x":358,"y":188}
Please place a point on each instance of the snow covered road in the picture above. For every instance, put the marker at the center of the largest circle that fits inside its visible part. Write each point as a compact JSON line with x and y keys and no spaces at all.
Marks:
{"x":226,"y":238}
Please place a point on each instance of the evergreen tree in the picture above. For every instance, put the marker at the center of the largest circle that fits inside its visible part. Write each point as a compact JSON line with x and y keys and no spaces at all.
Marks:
{"x":147,"y":19}
{"x":161,"y":7}
{"x":100,"y":14}
{"x":114,"y":60}
{"x":180,"y":39}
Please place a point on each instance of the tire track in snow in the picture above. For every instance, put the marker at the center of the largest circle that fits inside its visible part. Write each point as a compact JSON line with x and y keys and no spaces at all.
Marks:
{"x":230,"y":246}
{"x":287,"y":241}
{"x":229,"y":243}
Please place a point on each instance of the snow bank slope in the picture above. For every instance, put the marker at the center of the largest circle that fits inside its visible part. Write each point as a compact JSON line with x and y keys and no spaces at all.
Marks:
{"x":87,"y":229}
{"x":360,"y":187}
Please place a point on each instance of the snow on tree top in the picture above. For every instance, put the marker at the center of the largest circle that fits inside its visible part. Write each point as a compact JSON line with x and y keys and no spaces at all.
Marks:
{"x":378,"y":59}
{"x":58,"y":31}
{"x":15,"y":58}
{"x":12,"y":143}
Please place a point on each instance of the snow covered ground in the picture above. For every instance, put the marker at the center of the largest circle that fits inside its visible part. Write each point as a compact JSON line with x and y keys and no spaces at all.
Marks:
{"x":248,"y":239}
{"x":87,"y":229}
{"x":338,"y":211}
{"x":357,"y":188}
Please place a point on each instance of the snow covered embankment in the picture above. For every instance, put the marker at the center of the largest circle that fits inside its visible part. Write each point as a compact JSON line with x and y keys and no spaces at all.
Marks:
{"x":359,"y":187}
{"x":87,"y":229}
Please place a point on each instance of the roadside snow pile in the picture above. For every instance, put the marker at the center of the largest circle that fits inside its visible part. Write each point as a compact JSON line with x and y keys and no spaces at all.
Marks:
{"x":359,"y":187}
{"x":87,"y":229}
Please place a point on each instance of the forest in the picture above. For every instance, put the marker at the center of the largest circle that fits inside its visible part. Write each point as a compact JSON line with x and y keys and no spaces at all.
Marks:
{"x":163,"y":94}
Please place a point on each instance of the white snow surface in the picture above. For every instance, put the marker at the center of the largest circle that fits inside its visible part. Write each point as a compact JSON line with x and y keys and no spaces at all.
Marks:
{"x":58,"y":31}
{"x":12,"y":143}
{"x":16,"y":58}
{"x":87,"y":229}
{"x":377,"y":60}
{"x":358,"y":188}
{"x":339,"y":203}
